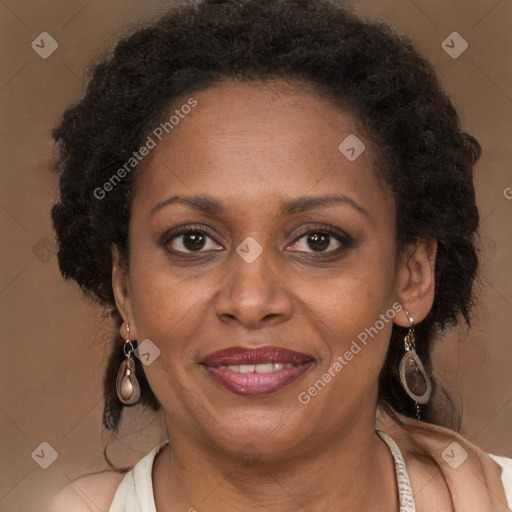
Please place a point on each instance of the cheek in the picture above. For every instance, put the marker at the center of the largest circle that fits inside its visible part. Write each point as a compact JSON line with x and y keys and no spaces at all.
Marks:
{"x":355,"y":294}
{"x":171,"y":314}
{"x":353,"y":314}
{"x":166,"y":309}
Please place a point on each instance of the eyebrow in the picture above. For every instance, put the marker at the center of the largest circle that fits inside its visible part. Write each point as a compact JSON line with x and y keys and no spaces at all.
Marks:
{"x":206,"y":204}
{"x":309,"y":203}
{"x":201,"y":203}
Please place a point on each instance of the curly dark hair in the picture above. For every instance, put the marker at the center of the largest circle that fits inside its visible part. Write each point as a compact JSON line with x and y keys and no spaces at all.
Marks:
{"x":362,"y":66}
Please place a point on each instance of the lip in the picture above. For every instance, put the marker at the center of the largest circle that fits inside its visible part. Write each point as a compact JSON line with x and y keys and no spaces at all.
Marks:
{"x":256,"y":384}
{"x":261,"y":355}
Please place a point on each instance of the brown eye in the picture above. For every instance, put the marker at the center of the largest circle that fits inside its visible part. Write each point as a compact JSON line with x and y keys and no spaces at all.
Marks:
{"x":192,"y":240}
{"x":318,"y":241}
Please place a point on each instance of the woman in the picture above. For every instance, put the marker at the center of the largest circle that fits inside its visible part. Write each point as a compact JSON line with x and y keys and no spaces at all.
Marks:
{"x":275,"y":199}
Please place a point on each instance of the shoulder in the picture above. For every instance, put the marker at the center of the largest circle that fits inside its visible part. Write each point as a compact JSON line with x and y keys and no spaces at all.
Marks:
{"x":506,"y":474}
{"x":88,"y":493}
{"x":504,"y":462}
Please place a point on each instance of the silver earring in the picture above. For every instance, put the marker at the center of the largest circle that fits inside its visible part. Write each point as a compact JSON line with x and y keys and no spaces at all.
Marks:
{"x":413,"y":376}
{"x":127,"y":385}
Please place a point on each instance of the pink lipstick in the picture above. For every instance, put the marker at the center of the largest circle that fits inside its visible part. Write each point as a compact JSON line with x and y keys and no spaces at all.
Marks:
{"x":255,"y":372}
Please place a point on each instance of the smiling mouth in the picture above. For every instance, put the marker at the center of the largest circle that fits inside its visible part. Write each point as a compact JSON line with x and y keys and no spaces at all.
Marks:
{"x":255,"y":372}
{"x":256,"y":368}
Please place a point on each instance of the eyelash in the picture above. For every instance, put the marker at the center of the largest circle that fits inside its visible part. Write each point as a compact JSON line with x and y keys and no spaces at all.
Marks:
{"x":186,"y":230}
{"x":343,"y":238}
{"x":321,"y":229}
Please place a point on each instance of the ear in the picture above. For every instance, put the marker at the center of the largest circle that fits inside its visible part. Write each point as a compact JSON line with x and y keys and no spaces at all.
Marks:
{"x":416,"y":280}
{"x":122,"y":293}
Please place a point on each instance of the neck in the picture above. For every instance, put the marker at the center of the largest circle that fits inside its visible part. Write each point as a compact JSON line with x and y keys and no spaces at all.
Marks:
{"x":351,"y":472}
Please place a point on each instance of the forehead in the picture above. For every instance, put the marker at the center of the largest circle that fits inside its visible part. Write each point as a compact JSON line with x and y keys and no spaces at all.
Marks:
{"x":258,"y":141}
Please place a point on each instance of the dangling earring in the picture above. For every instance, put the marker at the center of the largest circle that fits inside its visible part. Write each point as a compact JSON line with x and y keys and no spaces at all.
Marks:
{"x":413,"y":376}
{"x":127,"y":385}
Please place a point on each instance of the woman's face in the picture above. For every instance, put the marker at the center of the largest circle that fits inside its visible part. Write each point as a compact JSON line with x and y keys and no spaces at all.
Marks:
{"x":250,"y":228}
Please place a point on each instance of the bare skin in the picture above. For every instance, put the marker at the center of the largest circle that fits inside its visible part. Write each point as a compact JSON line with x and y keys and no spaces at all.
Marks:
{"x":252,"y":148}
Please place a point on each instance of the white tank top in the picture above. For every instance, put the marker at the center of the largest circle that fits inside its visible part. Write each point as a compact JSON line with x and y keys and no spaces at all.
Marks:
{"x":135,"y":492}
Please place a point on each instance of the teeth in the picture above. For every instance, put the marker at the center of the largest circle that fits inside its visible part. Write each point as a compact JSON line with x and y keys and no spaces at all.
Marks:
{"x":263,"y":368}
{"x":256,"y":368}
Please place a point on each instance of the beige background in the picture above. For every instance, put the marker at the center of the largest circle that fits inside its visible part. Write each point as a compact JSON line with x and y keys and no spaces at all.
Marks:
{"x":54,"y":344}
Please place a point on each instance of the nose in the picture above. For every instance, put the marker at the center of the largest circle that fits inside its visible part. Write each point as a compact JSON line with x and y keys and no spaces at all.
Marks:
{"x":253,"y":295}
